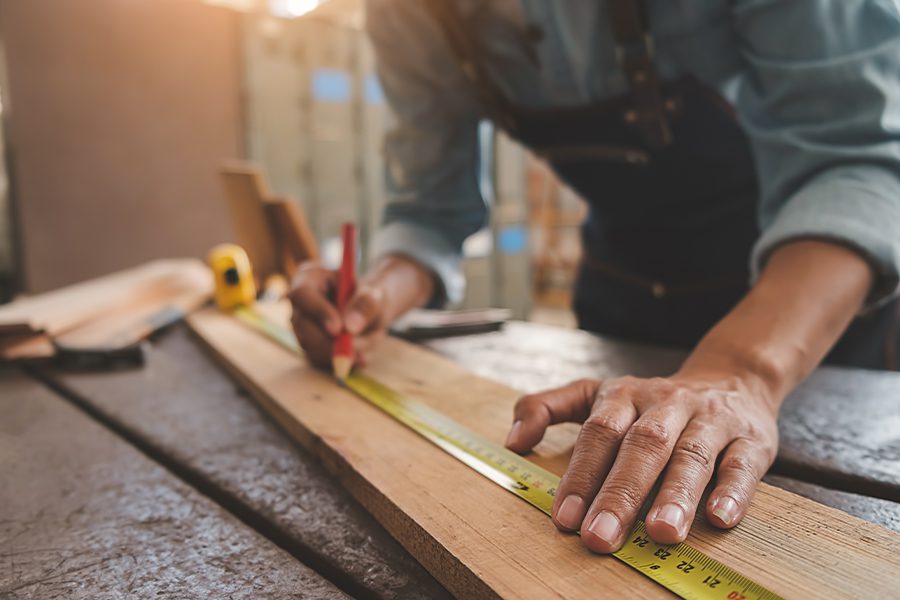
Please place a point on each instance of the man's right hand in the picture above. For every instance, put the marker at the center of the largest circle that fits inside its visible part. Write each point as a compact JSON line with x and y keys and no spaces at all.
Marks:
{"x":316,"y":319}
{"x":395,"y":285}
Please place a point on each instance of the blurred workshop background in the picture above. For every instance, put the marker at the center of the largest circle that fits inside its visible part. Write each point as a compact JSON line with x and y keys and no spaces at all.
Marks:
{"x":118,"y":114}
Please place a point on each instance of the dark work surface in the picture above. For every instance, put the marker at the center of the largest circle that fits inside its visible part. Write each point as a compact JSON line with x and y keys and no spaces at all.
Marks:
{"x":183,"y":410}
{"x":841,"y":428}
{"x":85,"y":515}
{"x":186,"y":412}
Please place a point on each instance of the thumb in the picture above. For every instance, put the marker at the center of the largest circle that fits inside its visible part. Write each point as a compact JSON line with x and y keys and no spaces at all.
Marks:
{"x":364,"y":309}
{"x":535,"y":412}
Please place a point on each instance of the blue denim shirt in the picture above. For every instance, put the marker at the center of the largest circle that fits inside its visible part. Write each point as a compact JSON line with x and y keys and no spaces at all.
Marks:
{"x":816,"y":85}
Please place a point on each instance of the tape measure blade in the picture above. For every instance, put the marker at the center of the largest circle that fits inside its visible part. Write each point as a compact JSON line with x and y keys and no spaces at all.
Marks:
{"x":277,"y":334}
{"x":484,"y":456}
{"x":700,"y":577}
{"x":686,"y":571}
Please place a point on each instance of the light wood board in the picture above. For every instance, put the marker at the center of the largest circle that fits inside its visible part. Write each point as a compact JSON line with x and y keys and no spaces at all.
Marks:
{"x":481,"y":541}
{"x":62,"y":310}
{"x":103,"y":312}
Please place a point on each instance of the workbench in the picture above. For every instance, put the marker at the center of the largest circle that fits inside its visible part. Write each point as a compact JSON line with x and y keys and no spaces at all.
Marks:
{"x":168,"y":480}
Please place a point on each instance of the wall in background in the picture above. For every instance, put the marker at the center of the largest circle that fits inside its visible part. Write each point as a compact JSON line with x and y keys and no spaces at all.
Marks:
{"x":6,"y":230}
{"x":121,"y":113}
{"x":316,"y":119}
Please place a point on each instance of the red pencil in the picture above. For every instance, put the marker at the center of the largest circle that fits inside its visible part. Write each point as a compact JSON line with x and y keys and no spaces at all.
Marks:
{"x":342,"y":352}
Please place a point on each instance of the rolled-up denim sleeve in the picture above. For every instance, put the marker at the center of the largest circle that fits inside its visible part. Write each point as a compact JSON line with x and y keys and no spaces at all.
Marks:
{"x":431,"y":147}
{"x":821,"y":104}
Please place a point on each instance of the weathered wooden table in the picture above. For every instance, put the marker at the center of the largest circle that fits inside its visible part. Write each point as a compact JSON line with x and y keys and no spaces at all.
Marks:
{"x":167,"y":480}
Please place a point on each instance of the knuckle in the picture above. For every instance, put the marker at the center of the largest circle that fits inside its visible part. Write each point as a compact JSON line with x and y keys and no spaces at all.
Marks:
{"x":308,"y":299}
{"x":604,"y":427}
{"x":526,"y":403}
{"x":364,"y":300}
{"x":528,"y":400}
{"x":580,"y":482}
{"x":666,"y":410}
{"x":650,"y":433}
{"x":308,"y":273}
{"x":741,"y":465}
{"x":624,"y":386}
{"x":715,"y":410}
{"x":695,"y":451}
{"x":589,"y":387}
{"x":679,"y":396}
{"x":620,"y":496}
{"x":368,"y":300}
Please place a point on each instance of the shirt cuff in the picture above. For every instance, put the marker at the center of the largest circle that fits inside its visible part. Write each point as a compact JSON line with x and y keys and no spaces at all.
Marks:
{"x":428,"y":247}
{"x":857,"y":207}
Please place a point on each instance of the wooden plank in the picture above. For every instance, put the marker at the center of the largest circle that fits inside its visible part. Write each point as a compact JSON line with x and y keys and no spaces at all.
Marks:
{"x":481,"y":541}
{"x":820,"y":439}
{"x":246,"y":193}
{"x":86,"y":515}
{"x":295,"y":238}
{"x":273,"y":230}
{"x":875,"y":510}
{"x":531,"y":357}
{"x":62,"y":310}
{"x":183,"y":410}
{"x":108,"y":313}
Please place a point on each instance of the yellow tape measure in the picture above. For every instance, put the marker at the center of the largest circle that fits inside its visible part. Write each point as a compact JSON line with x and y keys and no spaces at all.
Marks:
{"x":678,"y":567}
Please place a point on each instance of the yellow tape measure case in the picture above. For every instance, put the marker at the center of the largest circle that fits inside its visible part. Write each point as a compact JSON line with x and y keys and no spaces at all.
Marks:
{"x":233,"y":276}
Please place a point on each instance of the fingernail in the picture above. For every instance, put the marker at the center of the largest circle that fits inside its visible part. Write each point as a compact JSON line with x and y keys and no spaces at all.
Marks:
{"x":726,"y":509}
{"x":513,"y":436}
{"x":354,"y":322}
{"x":571,"y":512}
{"x":333,"y":326}
{"x":672,"y":515}
{"x":606,"y":527}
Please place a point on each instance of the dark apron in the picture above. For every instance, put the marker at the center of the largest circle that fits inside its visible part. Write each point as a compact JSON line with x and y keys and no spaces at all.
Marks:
{"x":672,"y":204}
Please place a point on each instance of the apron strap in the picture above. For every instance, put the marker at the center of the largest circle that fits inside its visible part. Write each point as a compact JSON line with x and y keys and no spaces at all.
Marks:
{"x":455,"y":31}
{"x":635,"y":51}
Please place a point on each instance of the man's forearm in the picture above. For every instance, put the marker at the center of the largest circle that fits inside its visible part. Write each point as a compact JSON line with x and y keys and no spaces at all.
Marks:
{"x":805,"y":298}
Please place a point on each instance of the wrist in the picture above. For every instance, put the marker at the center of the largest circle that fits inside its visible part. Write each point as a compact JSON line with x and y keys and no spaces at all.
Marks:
{"x":758,"y":369}
{"x":406,"y":284}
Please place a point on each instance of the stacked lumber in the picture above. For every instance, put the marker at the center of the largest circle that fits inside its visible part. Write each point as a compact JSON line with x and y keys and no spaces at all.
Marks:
{"x":481,"y":541}
{"x":107,"y":313}
{"x":271,"y":229}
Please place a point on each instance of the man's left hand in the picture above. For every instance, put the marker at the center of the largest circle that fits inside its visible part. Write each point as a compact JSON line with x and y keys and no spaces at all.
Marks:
{"x":635,"y":430}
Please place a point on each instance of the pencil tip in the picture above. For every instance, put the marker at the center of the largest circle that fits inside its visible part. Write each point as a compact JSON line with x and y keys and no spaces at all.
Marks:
{"x":342,"y":366}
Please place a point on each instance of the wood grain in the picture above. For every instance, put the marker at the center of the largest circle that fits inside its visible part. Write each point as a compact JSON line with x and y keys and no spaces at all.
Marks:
{"x":184,"y":411}
{"x":296,"y":241}
{"x":107,"y":312}
{"x":86,"y":515}
{"x":246,"y":193}
{"x":480,"y":541}
{"x":273,"y":230}
{"x":62,"y":310}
